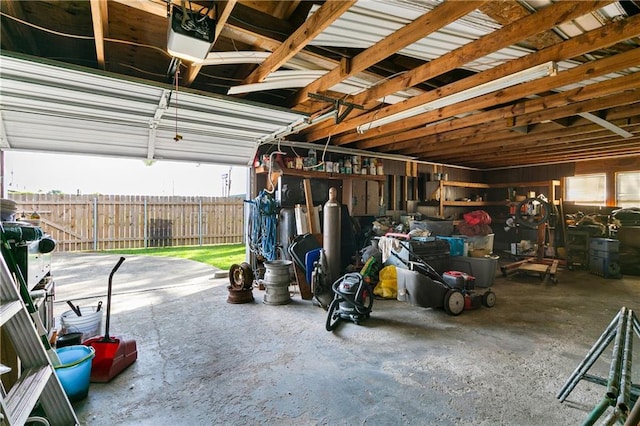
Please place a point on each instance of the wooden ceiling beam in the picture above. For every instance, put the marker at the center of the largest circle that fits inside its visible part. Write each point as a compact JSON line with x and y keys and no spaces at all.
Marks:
{"x":419,"y":28}
{"x":565,"y":154}
{"x":269,"y":38}
{"x":506,"y":12}
{"x":314,"y":25}
{"x":618,"y":99}
{"x":515,"y":147}
{"x":540,"y":155}
{"x":154,"y":7}
{"x":223,"y":11}
{"x":602,"y":37}
{"x":497,"y":164}
{"x":263,"y":42}
{"x":466,"y":125}
{"x":571,"y":76}
{"x":497,"y":141}
{"x":279,"y":9}
{"x":100,"y":20}
{"x":546,"y":18}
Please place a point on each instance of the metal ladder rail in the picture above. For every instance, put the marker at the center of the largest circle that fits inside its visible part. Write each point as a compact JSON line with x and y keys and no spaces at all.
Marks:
{"x":21,"y":285}
{"x":38,"y":381}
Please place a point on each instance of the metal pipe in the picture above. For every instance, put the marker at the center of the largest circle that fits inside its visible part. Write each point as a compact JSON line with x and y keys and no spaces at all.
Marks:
{"x":596,"y":350}
{"x":613,"y":385}
{"x":38,"y":294}
{"x":633,"y":419}
{"x":625,"y":367}
{"x":636,"y":324}
{"x":614,"y":417}
{"x":598,"y":411}
{"x":300,"y":124}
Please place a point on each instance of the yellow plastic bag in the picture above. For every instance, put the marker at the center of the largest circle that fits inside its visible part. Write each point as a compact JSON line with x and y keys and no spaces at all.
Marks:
{"x":388,"y":285}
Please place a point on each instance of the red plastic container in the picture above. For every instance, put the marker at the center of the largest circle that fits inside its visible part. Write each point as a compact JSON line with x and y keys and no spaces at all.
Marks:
{"x":112,"y":356}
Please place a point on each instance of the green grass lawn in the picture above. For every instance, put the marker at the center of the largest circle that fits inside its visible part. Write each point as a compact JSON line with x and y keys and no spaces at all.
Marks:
{"x":221,"y":256}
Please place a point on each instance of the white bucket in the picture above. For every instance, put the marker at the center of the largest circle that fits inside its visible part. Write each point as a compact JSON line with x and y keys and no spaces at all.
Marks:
{"x":89,"y":324}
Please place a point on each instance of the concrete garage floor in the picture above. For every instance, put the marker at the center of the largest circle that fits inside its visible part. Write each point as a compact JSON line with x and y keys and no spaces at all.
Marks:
{"x":203,"y":361}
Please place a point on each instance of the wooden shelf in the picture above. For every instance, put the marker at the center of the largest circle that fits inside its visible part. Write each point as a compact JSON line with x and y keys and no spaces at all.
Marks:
{"x":549,"y":185}
{"x":545,"y":183}
{"x":474,"y":203}
{"x":322,"y":175}
{"x":464,"y":184}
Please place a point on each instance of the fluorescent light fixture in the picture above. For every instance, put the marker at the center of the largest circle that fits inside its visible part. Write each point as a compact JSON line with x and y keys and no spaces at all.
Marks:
{"x":542,"y":70}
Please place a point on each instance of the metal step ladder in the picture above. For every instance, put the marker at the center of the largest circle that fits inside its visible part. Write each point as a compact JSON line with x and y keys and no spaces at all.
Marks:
{"x":38,"y":381}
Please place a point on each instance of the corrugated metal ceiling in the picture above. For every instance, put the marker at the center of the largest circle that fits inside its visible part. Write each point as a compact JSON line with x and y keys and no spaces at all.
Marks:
{"x":368,"y":22}
{"x":51,"y":108}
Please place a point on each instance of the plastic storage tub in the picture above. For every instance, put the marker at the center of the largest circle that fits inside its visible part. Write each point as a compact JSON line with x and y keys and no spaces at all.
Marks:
{"x":74,"y":371}
{"x":456,"y":245}
{"x":482,"y":268}
{"x":603,"y":247}
{"x":604,"y":257}
{"x":479,"y":245}
{"x":436,"y":227}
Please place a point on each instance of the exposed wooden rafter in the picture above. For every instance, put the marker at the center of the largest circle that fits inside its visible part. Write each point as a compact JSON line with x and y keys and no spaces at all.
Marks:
{"x":546,"y":18}
{"x":462,"y":44}
{"x":426,"y":24}
{"x":100,"y":19}
{"x":321,"y":19}
{"x":611,"y":33}
{"x":223,"y":13}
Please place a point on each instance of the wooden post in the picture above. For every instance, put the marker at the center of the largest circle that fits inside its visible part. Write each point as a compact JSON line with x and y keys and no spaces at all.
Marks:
{"x":309,"y":202}
{"x":542,"y":230}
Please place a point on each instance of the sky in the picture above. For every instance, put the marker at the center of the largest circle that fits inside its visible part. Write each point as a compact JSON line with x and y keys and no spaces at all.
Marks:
{"x":72,"y":174}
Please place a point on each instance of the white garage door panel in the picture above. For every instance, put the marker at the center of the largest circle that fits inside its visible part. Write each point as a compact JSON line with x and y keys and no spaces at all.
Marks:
{"x":52,"y":134}
{"x":79,"y":81}
{"x":201,"y":148}
{"x":47,"y":107}
{"x":21,"y":95}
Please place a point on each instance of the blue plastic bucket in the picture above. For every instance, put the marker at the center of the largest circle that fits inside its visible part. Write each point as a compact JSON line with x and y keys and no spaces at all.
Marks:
{"x":74,"y":370}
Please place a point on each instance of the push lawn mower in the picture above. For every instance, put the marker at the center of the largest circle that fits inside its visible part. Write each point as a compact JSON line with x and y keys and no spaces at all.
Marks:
{"x":352,"y":301}
{"x":421,"y":285}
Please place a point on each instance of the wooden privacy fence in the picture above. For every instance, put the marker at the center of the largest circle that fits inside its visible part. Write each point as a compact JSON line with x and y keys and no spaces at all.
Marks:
{"x":102,"y":222}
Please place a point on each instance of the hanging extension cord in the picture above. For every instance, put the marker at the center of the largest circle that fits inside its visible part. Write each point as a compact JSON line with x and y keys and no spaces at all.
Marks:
{"x":176,"y":77}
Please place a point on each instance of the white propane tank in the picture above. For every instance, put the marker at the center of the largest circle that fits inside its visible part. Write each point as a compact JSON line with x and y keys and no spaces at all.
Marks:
{"x":331,"y":235}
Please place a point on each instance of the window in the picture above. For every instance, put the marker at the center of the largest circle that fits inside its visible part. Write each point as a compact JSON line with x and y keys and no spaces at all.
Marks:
{"x":628,"y":189}
{"x":586,"y":189}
